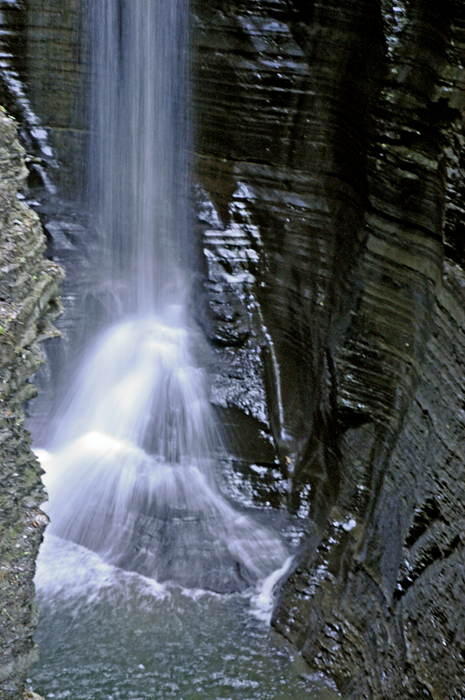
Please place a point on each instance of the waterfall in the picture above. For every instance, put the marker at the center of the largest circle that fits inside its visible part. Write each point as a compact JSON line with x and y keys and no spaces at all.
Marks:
{"x":129,"y":464}
{"x":138,"y":156}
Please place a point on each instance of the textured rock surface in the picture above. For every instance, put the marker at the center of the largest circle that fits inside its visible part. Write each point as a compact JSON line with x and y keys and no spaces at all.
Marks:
{"x":330,"y":161}
{"x":28,"y":303}
{"x":43,"y":72}
{"x":270,"y":124}
{"x":343,"y":122}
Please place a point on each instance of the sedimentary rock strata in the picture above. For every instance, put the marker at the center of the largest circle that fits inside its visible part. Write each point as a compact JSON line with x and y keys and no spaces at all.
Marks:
{"x":344,"y":122}
{"x":28,"y":304}
{"x":329,"y":158}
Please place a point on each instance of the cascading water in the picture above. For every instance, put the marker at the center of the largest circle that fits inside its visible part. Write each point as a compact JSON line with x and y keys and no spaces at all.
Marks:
{"x":138,"y":156}
{"x":128,"y":472}
{"x":133,"y":501}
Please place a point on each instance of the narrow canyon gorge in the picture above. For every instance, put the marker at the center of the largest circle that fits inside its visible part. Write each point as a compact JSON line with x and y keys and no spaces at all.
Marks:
{"x":327,"y":284}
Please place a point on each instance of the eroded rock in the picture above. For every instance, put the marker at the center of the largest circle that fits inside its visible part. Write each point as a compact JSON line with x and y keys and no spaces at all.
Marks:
{"x":337,"y":343}
{"x":345,"y":121}
{"x":28,"y":304}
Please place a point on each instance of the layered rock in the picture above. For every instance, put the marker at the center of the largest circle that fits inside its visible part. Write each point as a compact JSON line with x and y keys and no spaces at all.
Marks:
{"x":269,"y":121}
{"x":344,"y":121}
{"x":43,"y":74}
{"x":28,"y":304}
{"x":329,"y":157}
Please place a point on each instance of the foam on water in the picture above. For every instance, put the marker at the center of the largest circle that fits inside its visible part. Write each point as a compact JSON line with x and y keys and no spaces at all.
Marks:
{"x":128,"y":470}
{"x":107,"y":633}
{"x":82,"y":576}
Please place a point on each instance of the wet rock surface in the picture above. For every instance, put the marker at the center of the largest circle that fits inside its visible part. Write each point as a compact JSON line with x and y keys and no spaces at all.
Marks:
{"x":42,"y":81}
{"x":329,"y":156}
{"x":344,"y":121}
{"x":28,"y":304}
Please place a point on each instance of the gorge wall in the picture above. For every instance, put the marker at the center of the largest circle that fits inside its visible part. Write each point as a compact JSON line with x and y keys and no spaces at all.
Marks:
{"x":329,"y":156}
{"x":28,"y":304}
{"x":342,"y":121}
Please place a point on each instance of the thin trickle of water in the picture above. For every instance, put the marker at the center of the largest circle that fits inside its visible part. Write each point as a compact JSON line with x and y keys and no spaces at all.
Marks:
{"x":36,"y":134}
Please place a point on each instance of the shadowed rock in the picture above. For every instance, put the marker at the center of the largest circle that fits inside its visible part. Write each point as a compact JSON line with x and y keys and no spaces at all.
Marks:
{"x":337,"y":127}
{"x":28,"y":303}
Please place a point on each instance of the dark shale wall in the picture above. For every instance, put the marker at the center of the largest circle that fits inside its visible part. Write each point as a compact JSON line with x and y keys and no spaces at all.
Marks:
{"x":56,"y":82}
{"x":343,"y":121}
{"x":329,"y":161}
{"x":44,"y":56}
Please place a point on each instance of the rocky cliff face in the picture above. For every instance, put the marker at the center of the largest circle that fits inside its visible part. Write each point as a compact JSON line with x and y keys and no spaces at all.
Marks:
{"x":329,"y":157}
{"x":42,"y":82}
{"x":28,"y":303}
{"x":342,"y":121}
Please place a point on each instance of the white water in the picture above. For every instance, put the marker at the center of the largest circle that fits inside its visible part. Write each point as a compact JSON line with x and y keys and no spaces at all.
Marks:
{"x":141,"y":542}
{"x":129,"y":461}
{"x":138,"y":166}
{"x":108,"y":634}
{"x":128,"y":471}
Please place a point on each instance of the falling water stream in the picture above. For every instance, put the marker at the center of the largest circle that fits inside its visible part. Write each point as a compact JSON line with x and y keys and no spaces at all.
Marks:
{"x":151,"y":584}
